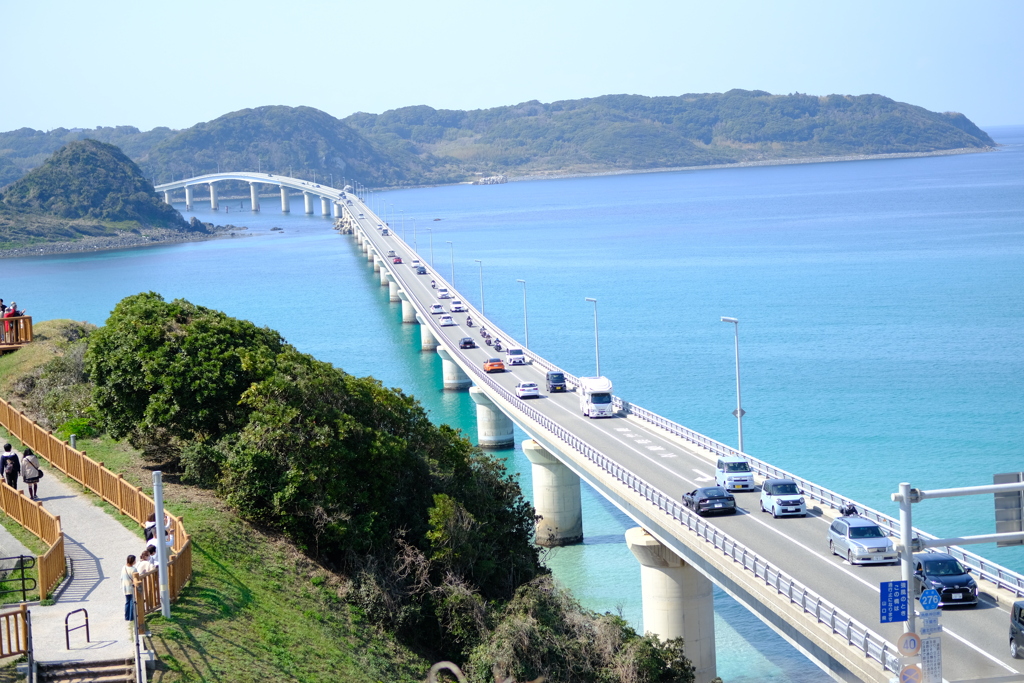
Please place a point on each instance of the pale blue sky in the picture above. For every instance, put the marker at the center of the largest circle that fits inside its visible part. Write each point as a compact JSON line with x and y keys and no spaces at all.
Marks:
{"x":77,"y":64}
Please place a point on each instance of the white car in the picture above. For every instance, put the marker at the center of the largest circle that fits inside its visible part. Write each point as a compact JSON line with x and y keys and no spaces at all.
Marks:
{"x":458,"y":306}
{"x":515,"y":357}
{"x":782,"y":498}
{"x":443,"y":293}
{"x":527,"y":390}
{"x":391,"y":253}
{"x":446,"y":321}
{"x":733,"y":473}
{"x":415,"y":262}
{"x":436,"y":309}
{"x":380,"y":227}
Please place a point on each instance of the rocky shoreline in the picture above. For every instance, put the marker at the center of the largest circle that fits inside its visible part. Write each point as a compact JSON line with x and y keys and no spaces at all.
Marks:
{"x":128,"y":240}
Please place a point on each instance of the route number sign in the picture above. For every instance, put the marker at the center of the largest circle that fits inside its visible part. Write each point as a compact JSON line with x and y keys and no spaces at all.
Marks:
{"x":893,"y":601}
{"x":911,"y":674}
{"x":909,"y":644}
{"x":930,"y":599}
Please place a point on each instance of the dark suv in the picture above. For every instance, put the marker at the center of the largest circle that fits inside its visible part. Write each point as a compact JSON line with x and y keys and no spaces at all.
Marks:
{"x":555,"y":382}
{"x":946,"y":575}
{"x":1017,"y":630}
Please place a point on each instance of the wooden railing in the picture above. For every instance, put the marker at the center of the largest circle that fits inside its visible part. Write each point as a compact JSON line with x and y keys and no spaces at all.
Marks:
{"x":14,"y":632}
{"x":16,"y":330}
{"x":37,"y":519}
{"x":113,"y":488}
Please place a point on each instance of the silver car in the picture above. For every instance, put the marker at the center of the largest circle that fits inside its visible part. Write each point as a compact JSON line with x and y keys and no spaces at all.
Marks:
{"x":860,"y":541}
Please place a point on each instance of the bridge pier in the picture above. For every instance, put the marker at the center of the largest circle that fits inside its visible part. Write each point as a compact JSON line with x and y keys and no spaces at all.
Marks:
{"x":455,"y":379}
{"x":188,"y":197}
{"x":677,"y":601}
{"x":556,"y":497}
{"x":409,"y":311}
{"x":286,"y":205}
{"x":428,"y":342}
{"x":376,"y":264}
{"x":393,"y":292}
{"x":167,"y":196}
{"x":337,"y":210}
{"x":214,"y":204}
{"x":383,"y":274}
{"x":493,"y":427}
{"x":308,"y":198}
{"x":254,"y":197}
{"x":325,"y":206}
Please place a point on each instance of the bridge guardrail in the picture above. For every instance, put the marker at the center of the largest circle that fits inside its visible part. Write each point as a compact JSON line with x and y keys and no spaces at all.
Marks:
{"x":857,"y":635}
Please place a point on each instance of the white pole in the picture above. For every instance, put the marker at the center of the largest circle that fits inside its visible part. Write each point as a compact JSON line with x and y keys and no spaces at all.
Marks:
{"x":161,"y":545}
{"x":907,"y":552}
{"x":597,"y":345}
{"x":526,"y":320}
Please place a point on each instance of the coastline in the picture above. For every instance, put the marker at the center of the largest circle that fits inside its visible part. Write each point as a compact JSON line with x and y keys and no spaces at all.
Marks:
{"x":156,"y":237}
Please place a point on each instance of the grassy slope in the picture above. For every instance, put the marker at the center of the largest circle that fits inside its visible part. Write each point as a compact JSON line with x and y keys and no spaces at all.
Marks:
{"x":256,"y":609}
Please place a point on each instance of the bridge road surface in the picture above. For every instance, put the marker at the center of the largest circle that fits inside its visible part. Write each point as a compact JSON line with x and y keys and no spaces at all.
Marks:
{"x":975,"y":640}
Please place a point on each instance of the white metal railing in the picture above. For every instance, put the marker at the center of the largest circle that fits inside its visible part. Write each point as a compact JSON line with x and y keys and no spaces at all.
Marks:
{"x":857,"y":635}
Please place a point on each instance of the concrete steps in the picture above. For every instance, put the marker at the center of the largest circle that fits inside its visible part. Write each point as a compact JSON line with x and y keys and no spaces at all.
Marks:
{"x":106,"y":671}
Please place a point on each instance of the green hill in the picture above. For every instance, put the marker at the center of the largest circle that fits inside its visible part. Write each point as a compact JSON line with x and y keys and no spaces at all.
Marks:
{"x":422,"y":145}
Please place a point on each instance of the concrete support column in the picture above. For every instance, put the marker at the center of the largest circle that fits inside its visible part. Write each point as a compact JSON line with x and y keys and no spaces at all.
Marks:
{"x":408,"y":310}
{"x":337,"y":210}
{"x":167,"y":196}
{"x":325,"y":206}
{"x":383,"y":275}
{"x":455,"y":379}
{"x":188,"y":198}
{"x":428,"y":342}
{"x":309,"y":203}
{"x":677,"y":601}
{"x":254,"y":197}
{"x":493,"y":427}
{"x":393,"y":291}
{"x":556,"y":497}
{"x":214,"y":204}
{"x":376,"y":264}
{"x":286,"y":204}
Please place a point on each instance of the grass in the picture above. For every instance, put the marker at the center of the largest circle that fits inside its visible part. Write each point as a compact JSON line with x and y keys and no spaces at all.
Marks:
{"x":257,"y":609}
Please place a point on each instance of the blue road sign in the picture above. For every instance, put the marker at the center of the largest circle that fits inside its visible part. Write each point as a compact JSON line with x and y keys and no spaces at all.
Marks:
{"x":930,"y":599}
{"x":893,"y":601}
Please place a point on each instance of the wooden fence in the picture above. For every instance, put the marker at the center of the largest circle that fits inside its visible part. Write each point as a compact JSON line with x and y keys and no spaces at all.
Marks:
{"x":16,"y":331}
{"x":37,"y":519}
{"x":112,"y":488}
{"x":14,"y":632}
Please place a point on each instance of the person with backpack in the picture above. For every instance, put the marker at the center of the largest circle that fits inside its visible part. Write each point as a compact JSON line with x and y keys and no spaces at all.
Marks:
{"x":10,"y":465}
{"x":31,"y":472}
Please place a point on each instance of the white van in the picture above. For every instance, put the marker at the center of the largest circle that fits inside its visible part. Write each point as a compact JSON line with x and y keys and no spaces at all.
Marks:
{"x":596,"y":397}
{"x":734,"y":474}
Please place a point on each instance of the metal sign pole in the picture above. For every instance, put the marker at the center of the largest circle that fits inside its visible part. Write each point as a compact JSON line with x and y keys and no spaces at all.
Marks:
{"x":907,"y":552}
{"x":161,"y":544}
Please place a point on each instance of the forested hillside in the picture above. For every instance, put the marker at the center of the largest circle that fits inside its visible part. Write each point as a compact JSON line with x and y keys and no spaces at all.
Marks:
{"x":421,"y":145}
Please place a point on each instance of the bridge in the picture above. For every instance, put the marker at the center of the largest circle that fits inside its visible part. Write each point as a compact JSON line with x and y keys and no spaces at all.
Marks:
{"x":781,"y":570}
{"x":330,"y":198}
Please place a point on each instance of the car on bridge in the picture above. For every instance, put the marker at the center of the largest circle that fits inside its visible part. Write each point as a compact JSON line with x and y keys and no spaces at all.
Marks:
{"x":947,"y":576}
{"x":415,"y":263}
{"x":467,"y":343}
{"x":420,"y":270}
{"x":710,"y":499}
{"x":436,"y":309}
{"x":396,"y":260}
{"x":1017,"y":630}
{"x":391,"y":253}
{"x":447,"y":321}
{"x":515,"y":357}
{"x":860,"y":541}
{"x":733,"y":473}
{"x":527,"y":390}
{"x":458,"y":306}
{"x":494,"y":365}
{"x":555,"y":381}
{"x":782,"y":498}
{"x":443,"y":293}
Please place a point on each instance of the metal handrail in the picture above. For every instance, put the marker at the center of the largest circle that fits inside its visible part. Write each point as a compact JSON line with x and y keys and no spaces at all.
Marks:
{"x":857,"y":635}
{"x":67,"y":631}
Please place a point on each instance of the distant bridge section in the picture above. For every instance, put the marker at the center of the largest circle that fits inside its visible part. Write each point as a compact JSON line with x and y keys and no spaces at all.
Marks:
{"x":331,"y":200}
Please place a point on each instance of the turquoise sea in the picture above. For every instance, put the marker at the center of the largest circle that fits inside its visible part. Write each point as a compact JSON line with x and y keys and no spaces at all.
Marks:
{"x":881,"y":314}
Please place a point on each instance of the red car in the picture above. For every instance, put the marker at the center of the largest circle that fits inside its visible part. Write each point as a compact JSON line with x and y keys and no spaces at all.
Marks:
{"x":397,"y":259}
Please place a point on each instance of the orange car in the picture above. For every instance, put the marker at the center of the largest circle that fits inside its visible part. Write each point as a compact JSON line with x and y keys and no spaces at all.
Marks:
{"x":494,"y":365}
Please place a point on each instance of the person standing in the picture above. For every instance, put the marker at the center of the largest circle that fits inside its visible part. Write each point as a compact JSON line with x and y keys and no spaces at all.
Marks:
{"x":128,"y":586}
{"x":30,"y":472}
{"x":10,"y":466}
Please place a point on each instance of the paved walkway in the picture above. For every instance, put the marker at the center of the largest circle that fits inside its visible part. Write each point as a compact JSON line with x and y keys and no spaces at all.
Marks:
{"x":98,"y":544}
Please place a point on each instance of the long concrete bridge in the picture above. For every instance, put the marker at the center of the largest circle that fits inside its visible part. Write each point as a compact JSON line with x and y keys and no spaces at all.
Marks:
{"x":781,"y":570}
{"x":330,"y":198}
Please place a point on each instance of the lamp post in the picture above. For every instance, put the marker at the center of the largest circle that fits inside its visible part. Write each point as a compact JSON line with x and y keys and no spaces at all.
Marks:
{"x":526,"y":321}
{"x":453,"y":261}
{"x":597,"y":345}
{"x":431,"y":231}
{"x":415,"y":244}
{"x":483,"y":310}
{"x":739,"y":405}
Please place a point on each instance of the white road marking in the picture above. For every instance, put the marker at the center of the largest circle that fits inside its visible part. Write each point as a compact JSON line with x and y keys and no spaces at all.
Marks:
{"x":643,"y":440}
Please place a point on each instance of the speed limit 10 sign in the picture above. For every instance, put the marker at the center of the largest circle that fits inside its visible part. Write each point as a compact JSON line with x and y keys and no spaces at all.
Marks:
{"x":909,"y":644}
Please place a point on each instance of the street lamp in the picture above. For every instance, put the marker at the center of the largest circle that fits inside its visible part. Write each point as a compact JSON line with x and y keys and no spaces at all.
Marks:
{"x":739,"y":406}
{"x":431,"y":231}
{"x":415,"y":244}
{"x":453,"y":261}
{"x":526,"y":322}
{"x":483,"y":311}
{"x":597,"y":346}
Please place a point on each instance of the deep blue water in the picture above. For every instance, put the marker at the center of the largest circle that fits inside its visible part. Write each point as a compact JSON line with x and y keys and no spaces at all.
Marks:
{"x":880,"y":307}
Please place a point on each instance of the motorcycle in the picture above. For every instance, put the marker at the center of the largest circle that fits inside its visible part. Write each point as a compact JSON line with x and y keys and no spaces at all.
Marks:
{"x":488,"y":341}
{"x":497,"y":345}
{"x":469,"y":322}
{"x":433,"y":284}
{"x":483,"y":332}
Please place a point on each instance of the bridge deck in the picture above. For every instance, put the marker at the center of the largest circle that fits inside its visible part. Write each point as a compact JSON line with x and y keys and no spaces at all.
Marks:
{"x":974,"y":640}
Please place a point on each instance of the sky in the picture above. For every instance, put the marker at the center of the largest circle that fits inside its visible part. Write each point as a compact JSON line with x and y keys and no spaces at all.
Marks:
{"x":148,"y":64}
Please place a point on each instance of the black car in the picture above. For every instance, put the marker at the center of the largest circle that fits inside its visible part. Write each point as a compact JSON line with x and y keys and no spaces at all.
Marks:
{"x":1017,"y":630}
{"x":555,"y":382}
{"x":710,"y":499}
{"x":421,"y":270}
{"x":467,"y":343}
{"x":946,"y":575}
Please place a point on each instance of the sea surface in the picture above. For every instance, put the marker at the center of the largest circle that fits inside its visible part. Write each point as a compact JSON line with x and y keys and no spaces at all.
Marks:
{"x":881,"y":309}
